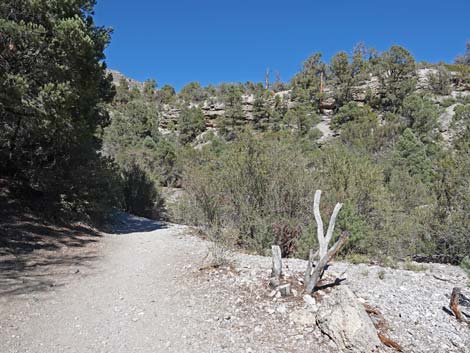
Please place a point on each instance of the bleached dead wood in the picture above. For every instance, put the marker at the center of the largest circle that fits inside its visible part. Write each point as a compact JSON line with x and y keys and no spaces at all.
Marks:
{"x":276,"y":271}
{"x":315,"y":271}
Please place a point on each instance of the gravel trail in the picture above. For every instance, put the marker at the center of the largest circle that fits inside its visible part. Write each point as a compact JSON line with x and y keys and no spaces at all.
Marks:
{"x":142,"y":290}
{"x":147,"y":288}
{"x":132,"y":298}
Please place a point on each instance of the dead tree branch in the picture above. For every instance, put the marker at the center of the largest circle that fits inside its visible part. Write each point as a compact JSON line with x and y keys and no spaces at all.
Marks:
{"x":314,"y":272}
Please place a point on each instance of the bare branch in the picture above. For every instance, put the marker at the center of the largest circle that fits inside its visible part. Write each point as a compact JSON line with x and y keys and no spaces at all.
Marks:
{"x":320,"y":267}
{"x":331,"y":225}
{"x":320,"y":232}
{"x":277,"y":264}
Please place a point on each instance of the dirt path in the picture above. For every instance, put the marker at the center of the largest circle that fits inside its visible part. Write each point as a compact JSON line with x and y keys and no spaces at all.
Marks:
{"x":146,"y":288}
{"x":140,"y":290}
{"x":129,"y":299}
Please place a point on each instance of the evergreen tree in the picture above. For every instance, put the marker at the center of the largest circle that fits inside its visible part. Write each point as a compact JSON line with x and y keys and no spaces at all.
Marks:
{"x":410,"y":153}
{"x":422,"y":117}
{"x":232,"y":98}
{"x":346,"y":72}
{"x":190,"y":124}
{"x":396,"y":72}
{"x":306,"y":85}
{"x":53,"y":86}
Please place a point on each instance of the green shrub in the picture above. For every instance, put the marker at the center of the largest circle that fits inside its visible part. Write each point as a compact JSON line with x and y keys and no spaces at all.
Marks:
{"x":440,"y":81}
{"x":465,"y":264}
{"x":252,"y":186}
{"x":357,"y":259}
{"x":411,"y":266}
{"x":141,"y":196}
{"x":447,"y":102}
{"x":190,"y":124}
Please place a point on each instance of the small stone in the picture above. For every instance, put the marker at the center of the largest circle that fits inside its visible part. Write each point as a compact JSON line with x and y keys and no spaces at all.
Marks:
{"x":308,"y":299}
{"x":273,"y":293}
{"x":270,"y":311}
{"x":281,"y":309}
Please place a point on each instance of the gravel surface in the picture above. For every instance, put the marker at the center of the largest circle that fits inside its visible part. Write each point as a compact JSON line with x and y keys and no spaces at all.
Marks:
{"x":146,"y":290}
{"x":413,"y":304}
{"x":149,"y":287}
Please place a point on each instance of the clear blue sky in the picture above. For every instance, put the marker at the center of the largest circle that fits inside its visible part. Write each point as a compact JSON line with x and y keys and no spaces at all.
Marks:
{"x":213,"y":41}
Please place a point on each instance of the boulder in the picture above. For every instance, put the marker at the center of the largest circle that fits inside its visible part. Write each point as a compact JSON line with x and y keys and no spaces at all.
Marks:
{"x":343,"y":318}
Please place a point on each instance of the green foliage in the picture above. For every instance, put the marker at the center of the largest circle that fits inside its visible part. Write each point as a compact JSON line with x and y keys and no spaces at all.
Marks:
{"x":302,"y":118}
{"x":252,"y":186}
{"x":145,"y":157}
{"x":358,"y":259}
{"x":440,"y":81}
{"x":461,"y":71}
{"x":367,"y":134}
{"x":410,"y":154}
{"x":192,"y":93}
{"x":53,"y":87}
{"x":422,"y":115}
{"x":462,"y":114}
{"x":230,"y":123}
{"x":165,"y":95}
{"x":149,"y":89}
{"x":262,"y":112}
{"x":346,"y":73}
{"x":450,"y":231}
{"x":411,"y":266}
{"x":465,"y":264}
{"x":396,"y":72}
{"x":140,"y":194}
{"x":446,"y":103}
{"x":350,"y":112}
{"x":306,"y":84}
{"x":190,"y":124}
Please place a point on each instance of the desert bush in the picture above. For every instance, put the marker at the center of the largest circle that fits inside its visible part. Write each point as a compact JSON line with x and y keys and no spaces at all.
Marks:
{"x":252,"y":186}
{"x":422,"y":116}
{"x":447,"y":102}
{"x":190,"y":124}
{"x":440,"y":81}
{"x":465,"y":264}
{"x":141,"y":196}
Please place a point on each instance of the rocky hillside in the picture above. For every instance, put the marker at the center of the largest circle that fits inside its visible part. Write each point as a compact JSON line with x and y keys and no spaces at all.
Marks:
{"x":213,"y":108}
{"x":118,"y":77}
